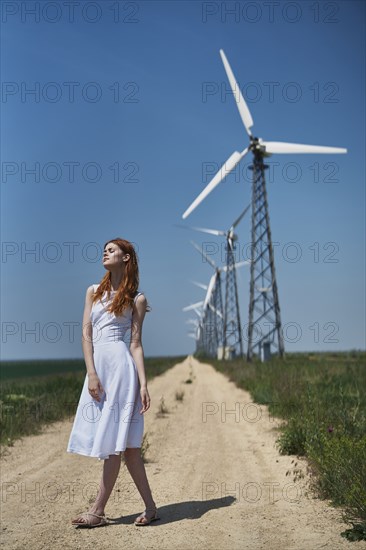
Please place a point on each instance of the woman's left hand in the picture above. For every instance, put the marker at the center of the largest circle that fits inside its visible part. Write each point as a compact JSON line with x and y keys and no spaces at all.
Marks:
{"x":145,"y":398}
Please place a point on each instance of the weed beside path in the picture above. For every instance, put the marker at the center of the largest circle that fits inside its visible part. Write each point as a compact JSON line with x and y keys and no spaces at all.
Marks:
{"x":322,"y":399}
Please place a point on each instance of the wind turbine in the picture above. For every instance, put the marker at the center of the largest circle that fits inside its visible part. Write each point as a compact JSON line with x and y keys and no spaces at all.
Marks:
{"x":217,"y":321}
{"x":212,"y":314}
{"x":199,"y":327}
{"x":195,"y":332}
{"x":264,"y":303}
{"x":232,"y":330}
{"x":209,"y":302}
{"x":210,"y":332}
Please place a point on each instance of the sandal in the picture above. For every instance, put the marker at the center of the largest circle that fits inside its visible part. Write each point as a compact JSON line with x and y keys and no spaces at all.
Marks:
{"x":138,"y":521}
{"x":88,"y":523}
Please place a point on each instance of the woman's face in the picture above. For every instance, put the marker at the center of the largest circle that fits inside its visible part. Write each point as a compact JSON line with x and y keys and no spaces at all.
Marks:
{"x":113,"y":256}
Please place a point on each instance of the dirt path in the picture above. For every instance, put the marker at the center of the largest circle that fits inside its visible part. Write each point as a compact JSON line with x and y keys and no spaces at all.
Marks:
{"x":216,"y":476}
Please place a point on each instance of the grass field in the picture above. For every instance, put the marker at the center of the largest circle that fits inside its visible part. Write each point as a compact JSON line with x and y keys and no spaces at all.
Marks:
{"x":34,"y":393}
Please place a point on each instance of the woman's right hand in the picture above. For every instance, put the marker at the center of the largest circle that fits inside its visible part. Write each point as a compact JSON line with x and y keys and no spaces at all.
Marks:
{"x":95,"y":387}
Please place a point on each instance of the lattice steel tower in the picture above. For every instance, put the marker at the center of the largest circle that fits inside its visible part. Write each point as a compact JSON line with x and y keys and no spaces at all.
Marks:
{"x":233,"y":337}
{"x":264,"y":325}
{"x":228,"y":328}
{"x":212,"y":312}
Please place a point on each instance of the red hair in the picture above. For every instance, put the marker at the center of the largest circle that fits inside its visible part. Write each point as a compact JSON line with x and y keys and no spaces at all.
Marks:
{"x":129,"y":285}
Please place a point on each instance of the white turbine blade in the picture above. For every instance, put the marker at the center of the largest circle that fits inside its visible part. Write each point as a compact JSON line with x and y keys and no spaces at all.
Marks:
{"x":281,"y":147}
{"x":210,"y":290}
{"x":264,"y":289}
{"x":216,"y":232}
{"x":203,"y":229}
{"x":240,"y":102}
{"x":198,"y":313}
{"x":238,"y":220}
{"x":243,"y":262}
{"x":221,"y":174}
{"x":216,"y":311}
{"x":239,"y":276}
{"x":238,"y":264}
{"x":192,"y":306}
{"x":201,"y":285}
{"x":211,"y":262}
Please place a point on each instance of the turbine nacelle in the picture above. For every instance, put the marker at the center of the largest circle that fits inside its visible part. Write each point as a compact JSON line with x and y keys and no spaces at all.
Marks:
{"x":231,"y":235}
{"x":258,"y":146}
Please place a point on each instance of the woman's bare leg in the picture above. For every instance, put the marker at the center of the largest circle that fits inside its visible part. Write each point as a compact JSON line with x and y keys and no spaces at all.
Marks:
{"x":136,"y":467}
{"x":111,"y":469}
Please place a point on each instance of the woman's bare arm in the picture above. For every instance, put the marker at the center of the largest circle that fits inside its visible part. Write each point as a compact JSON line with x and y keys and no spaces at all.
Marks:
{"x":136,"y":348}
{"x":87,"y":333}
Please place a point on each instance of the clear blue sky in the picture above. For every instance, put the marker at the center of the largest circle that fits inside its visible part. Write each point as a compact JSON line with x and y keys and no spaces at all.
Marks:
{"x":301,"y":68}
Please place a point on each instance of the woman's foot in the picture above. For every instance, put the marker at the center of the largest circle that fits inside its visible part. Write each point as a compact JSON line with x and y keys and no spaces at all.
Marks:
{"x":149,"y":515}
{"x":90,"y":519}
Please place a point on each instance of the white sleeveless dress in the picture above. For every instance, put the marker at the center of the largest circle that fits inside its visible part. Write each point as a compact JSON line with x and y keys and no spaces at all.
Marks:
{"x":114,"y":423}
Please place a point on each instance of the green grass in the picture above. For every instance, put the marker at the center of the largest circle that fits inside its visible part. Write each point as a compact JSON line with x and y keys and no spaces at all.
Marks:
{"x":322,"y":399}
{"x":41,"y":367}
{"x":35,"y":393}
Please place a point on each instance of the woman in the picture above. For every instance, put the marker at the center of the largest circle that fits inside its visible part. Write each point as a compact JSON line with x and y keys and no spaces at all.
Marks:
{"x":109,"y":418}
